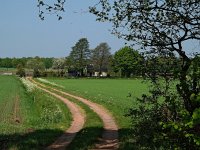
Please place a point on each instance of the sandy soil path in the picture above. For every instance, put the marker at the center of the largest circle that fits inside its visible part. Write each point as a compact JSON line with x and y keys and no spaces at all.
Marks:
{"x":109,"y":139}
{"x":78,"y":116}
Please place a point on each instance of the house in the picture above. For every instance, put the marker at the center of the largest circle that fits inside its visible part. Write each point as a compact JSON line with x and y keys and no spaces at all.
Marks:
{"x":103,"y":74}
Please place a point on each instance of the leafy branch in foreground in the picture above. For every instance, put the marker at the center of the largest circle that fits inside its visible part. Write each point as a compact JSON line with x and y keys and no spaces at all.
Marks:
{"x":163,"y":26}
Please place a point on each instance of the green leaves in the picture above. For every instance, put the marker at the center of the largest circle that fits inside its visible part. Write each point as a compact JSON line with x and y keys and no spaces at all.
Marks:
{"x":127,"y":61}
{"x":80,"y":55}
{"x":100,"y":58}
{"x":196,"y":116}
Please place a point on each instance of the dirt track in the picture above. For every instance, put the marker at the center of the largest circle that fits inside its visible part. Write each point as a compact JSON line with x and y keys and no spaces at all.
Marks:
{"x":109,"y":139}
{"x":78,"y":117}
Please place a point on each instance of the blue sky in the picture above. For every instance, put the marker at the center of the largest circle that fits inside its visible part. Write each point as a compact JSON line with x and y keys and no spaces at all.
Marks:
{"x":23,"y":34}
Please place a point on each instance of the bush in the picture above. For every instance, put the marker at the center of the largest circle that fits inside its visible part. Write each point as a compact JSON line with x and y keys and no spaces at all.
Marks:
{"x":36,"y":73}
{"x":20,"y":71}
{"x":164,"y":119}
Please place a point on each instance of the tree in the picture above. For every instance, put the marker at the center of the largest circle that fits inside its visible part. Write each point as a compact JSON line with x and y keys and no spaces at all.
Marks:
{"x":6,"y":63}
{"x":48,"y":62}
{"x":127,"y":61}
{"x":80,"y":55}
{"x":20,"y":71}
{"x":15,"y":62}
{"x":163,"y":64}
{"x":100,"y":57}
{"x":59,"y":64}
{"x":37,"y":65}
{"x":160,"y":26}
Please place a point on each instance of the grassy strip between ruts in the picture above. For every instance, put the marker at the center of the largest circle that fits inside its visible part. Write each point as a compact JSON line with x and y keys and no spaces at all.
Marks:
{"x":92,"y":130}
{"x":41,"y":117}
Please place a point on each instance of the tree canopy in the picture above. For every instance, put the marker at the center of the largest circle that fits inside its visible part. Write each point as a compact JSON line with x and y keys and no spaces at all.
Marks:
{"x":127,"y":61}
{"x":100,"y":57}
{"x":80,"y":55}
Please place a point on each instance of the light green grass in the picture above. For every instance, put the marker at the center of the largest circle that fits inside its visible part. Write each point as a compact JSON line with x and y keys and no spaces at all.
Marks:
{"x":117,"y":95}
{"x":42,"y":118}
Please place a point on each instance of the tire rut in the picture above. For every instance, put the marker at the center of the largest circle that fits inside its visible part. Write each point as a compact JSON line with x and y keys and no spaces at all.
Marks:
{"x":78,"y":116}
{"x":109,"y":139}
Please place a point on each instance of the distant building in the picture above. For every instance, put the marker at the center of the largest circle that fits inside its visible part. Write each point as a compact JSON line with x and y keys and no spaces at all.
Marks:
{"x":103,"y":74}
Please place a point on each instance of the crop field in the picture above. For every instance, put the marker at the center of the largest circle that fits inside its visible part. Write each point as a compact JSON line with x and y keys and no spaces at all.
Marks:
{"x":29,"y":119}
{"x":117,"y":95}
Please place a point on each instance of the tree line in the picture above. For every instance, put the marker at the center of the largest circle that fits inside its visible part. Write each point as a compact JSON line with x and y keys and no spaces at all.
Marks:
{"x":14,"y":62}
{"x":83,"y":61}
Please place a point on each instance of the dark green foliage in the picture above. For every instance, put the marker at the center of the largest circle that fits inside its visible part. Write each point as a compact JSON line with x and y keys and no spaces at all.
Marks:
{"x":163,"y":64}
{"x":100,"y":57}
{"x":6,"y":63}
{"x":163,"y":26}
{"x":20,"y":71}
{"x":36,"y":73}
{"x":48,"y":62}
{"x":165,"y":113}
{"x":14,"y":62}
{"x":37,"y":65}
{"x":127,"y":61}
{"x":80,"y":56}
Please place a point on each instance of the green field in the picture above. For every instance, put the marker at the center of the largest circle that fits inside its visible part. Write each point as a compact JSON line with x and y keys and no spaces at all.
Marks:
{"x":117,"y":95}
{"x":29,"y":120}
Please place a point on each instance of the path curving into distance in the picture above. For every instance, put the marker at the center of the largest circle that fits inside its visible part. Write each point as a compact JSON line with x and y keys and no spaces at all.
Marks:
{"x":109,"y":139}
{"x":78,"y":116}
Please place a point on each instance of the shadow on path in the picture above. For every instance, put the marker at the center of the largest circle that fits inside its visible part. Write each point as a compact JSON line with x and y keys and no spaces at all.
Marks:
{"x":40,"y":139}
